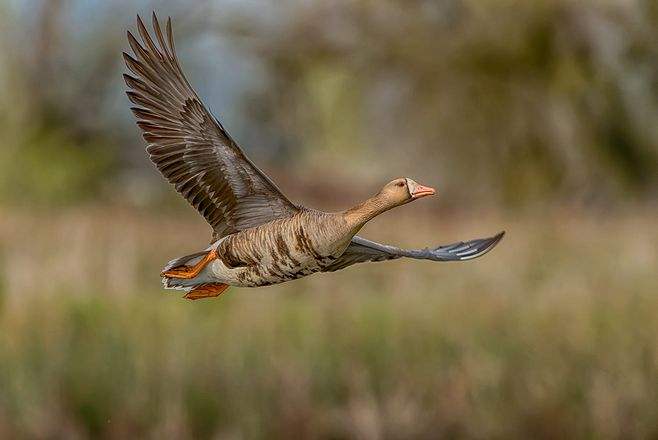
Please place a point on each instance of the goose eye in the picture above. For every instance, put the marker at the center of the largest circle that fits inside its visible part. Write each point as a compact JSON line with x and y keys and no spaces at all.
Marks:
{"x":400,"y":184}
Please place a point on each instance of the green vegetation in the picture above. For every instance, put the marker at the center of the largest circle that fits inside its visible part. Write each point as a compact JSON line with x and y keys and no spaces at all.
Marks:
{"x":416,"y":365}
{"x":553,"y":334}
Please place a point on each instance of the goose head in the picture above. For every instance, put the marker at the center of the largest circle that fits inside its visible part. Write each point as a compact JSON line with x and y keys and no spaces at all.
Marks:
{"x":404,"y":190}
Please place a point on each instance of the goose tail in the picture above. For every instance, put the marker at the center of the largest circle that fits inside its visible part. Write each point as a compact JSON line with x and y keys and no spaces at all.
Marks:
{"x":183,"y":273}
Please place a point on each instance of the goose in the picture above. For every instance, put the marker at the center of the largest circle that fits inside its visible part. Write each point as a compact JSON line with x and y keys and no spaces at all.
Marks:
{"x":259,"y":237}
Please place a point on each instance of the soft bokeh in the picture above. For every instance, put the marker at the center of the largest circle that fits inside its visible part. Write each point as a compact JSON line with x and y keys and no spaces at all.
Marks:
{"x":537,"y":117}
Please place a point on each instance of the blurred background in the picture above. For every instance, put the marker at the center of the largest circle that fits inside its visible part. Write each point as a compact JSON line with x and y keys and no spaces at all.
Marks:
{"x":534,"y":117}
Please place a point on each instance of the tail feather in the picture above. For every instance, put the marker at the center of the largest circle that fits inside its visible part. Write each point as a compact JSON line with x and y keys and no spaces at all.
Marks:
{"x":187,"y":261}
{"x":179,"y":284}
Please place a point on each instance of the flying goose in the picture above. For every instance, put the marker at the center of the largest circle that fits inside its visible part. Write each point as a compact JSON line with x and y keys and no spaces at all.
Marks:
{"x":259,"y":236}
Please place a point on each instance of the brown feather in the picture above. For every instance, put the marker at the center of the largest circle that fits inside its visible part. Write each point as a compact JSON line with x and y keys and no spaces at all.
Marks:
{"x":189,"y":146}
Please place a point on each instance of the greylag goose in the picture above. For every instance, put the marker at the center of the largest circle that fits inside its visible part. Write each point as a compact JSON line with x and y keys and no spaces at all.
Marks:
{"x":259,"y":236}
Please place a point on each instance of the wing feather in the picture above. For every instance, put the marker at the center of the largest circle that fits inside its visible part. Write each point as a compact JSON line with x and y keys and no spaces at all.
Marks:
{"x":361,"y":250}
{"x":189,"y":146}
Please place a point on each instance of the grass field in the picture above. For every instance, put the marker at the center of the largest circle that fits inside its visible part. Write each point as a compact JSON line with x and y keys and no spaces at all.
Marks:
{"x":552,"y":335}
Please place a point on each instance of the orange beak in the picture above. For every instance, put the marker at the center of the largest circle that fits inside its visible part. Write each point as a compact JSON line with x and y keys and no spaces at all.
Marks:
{"x":422,"y":191}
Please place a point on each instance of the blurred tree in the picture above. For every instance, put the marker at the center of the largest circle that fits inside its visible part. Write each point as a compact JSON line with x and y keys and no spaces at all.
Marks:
{"x":67,"y":139}
{"x":512,"y":100}
{"x":500,"y":102}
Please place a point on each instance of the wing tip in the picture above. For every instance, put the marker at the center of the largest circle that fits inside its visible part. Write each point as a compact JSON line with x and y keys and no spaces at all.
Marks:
{"x":127,"y":58}
{"x":490,"y":243}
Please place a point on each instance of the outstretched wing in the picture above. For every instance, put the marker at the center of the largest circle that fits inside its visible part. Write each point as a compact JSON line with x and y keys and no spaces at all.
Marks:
{"x":190,"y":147}
{"x":361,"y":250}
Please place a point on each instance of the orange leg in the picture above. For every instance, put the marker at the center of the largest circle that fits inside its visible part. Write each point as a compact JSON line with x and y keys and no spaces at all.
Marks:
{"x":187,"y":272}
{"x":209,"y":290}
